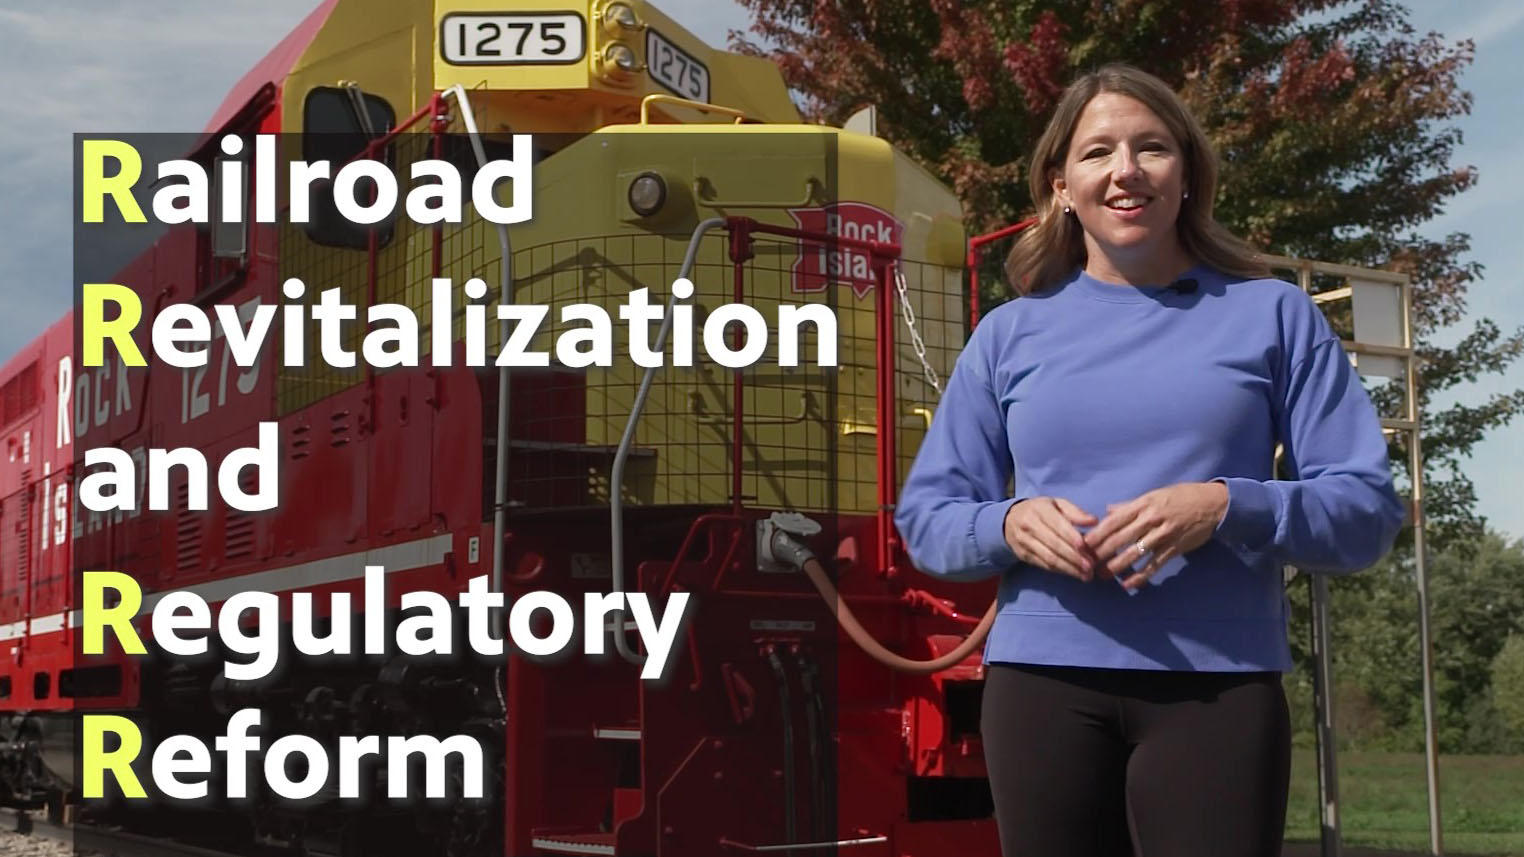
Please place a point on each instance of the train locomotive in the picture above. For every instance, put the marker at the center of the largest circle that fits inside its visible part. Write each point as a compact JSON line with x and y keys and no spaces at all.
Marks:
{"x":656,"y":157}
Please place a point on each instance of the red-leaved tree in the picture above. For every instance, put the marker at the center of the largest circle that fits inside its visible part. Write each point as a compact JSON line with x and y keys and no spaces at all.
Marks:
{"x":1330,"y":120}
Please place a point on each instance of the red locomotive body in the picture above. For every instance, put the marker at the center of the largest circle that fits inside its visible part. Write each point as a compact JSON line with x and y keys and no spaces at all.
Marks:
{"x":771,"y":730}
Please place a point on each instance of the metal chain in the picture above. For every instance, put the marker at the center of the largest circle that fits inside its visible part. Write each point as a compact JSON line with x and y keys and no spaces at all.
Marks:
{"x":915,"y":335}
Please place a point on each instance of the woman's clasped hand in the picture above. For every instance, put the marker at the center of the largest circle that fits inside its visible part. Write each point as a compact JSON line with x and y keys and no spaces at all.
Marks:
{"x":1160,"y":524}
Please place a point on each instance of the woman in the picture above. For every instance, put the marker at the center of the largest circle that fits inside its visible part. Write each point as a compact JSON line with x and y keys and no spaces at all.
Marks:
{"x":1136,"y":393}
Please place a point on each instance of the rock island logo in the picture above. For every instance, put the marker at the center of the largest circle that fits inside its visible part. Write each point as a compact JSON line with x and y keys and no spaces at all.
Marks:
{"x":818,"y":265}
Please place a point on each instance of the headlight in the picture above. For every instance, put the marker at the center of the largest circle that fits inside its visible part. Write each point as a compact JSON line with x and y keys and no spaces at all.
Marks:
{"x":621,"y":57}
{"x":648,"y":193}
{"x":619,"y":16}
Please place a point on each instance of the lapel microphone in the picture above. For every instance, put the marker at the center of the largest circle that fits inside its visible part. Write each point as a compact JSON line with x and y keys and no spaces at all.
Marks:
{"x":1184,"y":287}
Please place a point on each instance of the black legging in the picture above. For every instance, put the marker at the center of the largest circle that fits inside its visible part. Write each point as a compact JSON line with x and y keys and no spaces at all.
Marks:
{"x":1112,"y":763}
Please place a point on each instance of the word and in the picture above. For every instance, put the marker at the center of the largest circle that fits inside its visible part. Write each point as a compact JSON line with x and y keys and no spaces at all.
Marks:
{"x":115,"y":478}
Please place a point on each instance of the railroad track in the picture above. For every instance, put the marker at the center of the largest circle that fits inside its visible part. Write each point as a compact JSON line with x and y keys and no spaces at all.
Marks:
{"x":116,"y":843}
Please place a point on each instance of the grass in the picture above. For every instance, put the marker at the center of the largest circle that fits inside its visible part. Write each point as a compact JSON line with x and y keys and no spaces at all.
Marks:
{"x":1383,"y":802}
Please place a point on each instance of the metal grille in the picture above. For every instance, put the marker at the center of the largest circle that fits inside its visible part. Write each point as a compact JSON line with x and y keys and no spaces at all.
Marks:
{"x":806,"y":434}
{"x":401,"y":272}
{"x":19,"y":395}
{"x":15,"y":550}
{"x":188,"y":531}
{"x":238,"y":533}
{"x":566,"y":424}
{"x":936,"y":297}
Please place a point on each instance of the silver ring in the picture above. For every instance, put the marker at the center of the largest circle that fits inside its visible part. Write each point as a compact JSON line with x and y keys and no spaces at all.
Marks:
{"x":1141,"y":550}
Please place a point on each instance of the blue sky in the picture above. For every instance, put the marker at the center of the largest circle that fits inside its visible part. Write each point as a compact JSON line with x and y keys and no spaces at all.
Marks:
{"x":153,"y":65}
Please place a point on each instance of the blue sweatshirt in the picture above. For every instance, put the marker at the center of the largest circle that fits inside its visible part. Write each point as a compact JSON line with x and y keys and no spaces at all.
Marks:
{"x":1098,"y":392}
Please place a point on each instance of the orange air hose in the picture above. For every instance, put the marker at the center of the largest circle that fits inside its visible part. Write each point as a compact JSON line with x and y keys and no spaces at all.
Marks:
{"x":817,"y":574}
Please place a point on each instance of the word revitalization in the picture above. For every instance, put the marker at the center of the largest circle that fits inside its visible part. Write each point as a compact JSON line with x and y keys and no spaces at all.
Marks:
{"x":181,"y":334}
{"x":181,"y":622}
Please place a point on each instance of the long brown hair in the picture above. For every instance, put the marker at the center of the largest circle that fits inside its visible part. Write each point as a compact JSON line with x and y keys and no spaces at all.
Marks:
{"x":1050,"y":249}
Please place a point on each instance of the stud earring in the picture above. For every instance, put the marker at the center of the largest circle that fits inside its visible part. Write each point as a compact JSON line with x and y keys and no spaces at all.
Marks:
{"x":1066,"y":209}
{"x":1186,"y":195}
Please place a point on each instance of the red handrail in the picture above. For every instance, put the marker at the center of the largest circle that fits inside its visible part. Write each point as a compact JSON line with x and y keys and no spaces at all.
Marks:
{"x":884,"y":256}
{"x":974,"y":244}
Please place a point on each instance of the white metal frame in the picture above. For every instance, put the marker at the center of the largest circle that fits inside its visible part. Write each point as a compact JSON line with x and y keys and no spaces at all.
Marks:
{"x":1389,"y":341}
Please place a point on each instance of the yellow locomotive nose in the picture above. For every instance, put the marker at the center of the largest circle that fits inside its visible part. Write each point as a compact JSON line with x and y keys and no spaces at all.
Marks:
{"x":641,"y":132}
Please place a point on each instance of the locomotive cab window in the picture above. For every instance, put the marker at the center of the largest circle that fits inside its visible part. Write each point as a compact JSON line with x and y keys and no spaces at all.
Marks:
{"x":337,"y":124}
{"x":223,"y":242}
{"x":230,"y":235}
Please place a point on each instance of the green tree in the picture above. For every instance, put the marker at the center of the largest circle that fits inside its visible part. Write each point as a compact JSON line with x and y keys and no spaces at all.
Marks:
{"x":1330,"y":119}
{"x":1508,"y":687}
{"x":1476,"y":607}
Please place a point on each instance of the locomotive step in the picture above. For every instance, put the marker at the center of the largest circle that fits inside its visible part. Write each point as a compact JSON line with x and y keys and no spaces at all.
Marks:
{"x":618,"y":732}
{"x":575,"y":843}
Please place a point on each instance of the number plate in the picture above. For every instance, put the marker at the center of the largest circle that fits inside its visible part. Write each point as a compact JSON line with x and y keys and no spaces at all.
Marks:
{"x":509,"y":38}
{"x":675,"y":68}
